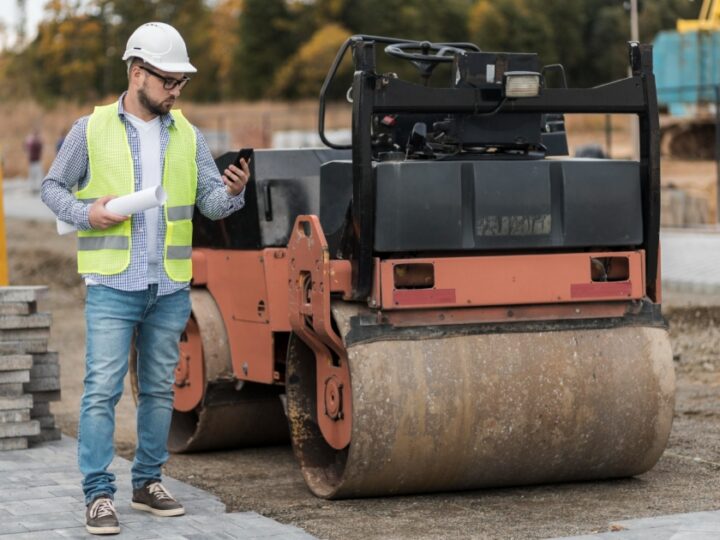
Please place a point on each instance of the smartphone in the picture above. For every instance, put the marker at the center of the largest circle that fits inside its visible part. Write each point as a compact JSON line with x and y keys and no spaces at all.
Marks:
{"x":246,"y":154}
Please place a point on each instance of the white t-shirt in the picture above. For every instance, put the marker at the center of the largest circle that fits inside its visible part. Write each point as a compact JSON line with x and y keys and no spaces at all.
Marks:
{"x":149,"y":133}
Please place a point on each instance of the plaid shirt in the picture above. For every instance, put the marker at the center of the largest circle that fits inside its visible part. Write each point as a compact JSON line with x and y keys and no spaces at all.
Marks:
{"x":70,"y":169}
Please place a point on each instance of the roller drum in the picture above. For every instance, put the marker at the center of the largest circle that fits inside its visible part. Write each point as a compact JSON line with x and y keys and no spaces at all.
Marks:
{"x":255,"y":417}
{"x":490,"y":410}
{"x":214,"y":410}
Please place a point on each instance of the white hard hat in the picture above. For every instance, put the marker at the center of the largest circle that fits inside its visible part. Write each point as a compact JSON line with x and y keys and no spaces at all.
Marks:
{"x":159,"y":45}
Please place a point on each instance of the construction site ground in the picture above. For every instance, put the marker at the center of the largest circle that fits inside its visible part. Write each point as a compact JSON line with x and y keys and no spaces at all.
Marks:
{"x":268,"y":480}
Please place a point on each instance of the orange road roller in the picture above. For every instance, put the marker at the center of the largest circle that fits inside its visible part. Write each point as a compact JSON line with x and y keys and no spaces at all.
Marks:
{"x":449,"y":302}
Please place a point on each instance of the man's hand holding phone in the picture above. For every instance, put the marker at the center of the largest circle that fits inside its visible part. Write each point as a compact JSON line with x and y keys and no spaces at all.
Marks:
{"x":237,"y":175}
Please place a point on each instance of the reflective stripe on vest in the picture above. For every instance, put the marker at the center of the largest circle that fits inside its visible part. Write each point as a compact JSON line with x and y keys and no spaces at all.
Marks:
{"x":179,"y":252}
{"x":180,"y":212}
{"x":90,"y":243}
{"x":107,"y":252}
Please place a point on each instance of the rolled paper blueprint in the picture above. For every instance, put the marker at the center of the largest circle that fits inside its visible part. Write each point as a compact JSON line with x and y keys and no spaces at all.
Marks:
{"x":126,"y":205}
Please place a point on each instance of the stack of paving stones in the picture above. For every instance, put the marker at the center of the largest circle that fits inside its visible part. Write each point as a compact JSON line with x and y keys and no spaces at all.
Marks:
{"x":29,"y":373}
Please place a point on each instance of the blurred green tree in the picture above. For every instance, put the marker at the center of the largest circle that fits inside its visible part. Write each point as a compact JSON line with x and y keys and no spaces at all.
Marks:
{"x":303,"y":74}
{"x":64,"y":59}
{"x":192,"y":18}
{"x":513,"y":25}
{"x":252,"y":49}
{"x":225,"y":37}
{"x":266,"y":42}
{"x":411,"y":19}
{"x":589,"y":37}
{"x":607,"y":32}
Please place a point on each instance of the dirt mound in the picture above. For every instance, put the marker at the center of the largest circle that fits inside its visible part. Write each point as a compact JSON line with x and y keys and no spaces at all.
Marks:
{"x":690,"y":316}
{"x":38,"y":267}
{"x":38,"y":256}
{"x":695,"y":335}
{"x":692,"y":138}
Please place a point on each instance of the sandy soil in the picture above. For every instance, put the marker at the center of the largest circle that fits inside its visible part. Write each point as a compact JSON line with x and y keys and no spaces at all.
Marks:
{"x":37,"y":255}
{"x":268,"y":481}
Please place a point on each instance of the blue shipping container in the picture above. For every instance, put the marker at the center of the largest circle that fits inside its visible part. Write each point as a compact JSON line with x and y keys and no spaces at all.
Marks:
{"x":687,"y":68}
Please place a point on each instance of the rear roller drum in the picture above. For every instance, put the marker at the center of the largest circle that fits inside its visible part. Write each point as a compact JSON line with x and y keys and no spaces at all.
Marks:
{"x":228,"y":419}
{"x":492,"y":410}
{"x":211,"y":411}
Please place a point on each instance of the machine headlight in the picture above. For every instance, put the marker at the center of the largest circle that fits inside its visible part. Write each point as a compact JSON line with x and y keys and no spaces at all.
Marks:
{"x":520,"y":84}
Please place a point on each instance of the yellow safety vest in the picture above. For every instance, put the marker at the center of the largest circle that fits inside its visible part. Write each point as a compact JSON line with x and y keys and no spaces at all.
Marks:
{"x":107,"y":251}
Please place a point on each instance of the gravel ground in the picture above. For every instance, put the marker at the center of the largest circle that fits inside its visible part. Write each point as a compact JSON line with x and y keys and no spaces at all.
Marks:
{"x":268,"y":481}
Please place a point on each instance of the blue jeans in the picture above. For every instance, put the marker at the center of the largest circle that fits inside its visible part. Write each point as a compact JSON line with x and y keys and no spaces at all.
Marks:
{"x":112,"y":317}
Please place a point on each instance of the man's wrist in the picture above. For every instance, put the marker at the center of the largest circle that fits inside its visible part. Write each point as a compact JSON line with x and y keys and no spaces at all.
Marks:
{"x":232,"y":194}
{"x":82,"y":218}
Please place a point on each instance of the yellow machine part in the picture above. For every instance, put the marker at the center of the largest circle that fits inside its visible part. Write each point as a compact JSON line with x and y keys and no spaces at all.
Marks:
{"x":488,"y":410}
{"x":708,"y":19}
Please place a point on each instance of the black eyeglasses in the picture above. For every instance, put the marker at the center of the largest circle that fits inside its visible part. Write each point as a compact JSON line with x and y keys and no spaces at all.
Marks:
{"x":169,"y":83}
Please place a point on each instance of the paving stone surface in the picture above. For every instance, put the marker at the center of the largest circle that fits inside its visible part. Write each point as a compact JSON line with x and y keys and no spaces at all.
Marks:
{"x":16,"y":376}
{"x":16,"y":361}
{"x":16,"y":415}
{"x":24,"y":401}
{"x":18,"y":308}
{"x":11,"y":389}
{"x":19,"y":429}
{"x":40,"y":408}
{"x":22,"y":293}
{"x":45,"y":435}
{"x":24,"y":346}
{"x":13,"y":443}
{"x":51,"y":357}
{"x":692,"y":526}
{"x":44,"y":397}
{"x":41,"y":498}
{"x":42,"y":384}
{"x":44,"y":370}
{"x":36,"y":320}
{"x":25,"y":334}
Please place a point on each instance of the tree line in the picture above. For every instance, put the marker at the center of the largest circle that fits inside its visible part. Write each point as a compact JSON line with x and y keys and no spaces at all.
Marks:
{"x":281,"y":49}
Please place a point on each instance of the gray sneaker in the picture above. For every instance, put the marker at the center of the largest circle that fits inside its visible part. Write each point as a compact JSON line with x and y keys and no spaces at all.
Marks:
{"x":101,"y":517}
{"x":154,"y":498}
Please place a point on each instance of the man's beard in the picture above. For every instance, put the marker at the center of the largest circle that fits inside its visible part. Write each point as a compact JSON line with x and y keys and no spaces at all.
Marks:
{"x":156,"y":108}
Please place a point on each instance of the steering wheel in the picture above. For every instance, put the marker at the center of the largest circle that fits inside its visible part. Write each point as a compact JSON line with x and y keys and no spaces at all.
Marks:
{"x":406,"y":51}
{"x":419,"y":55}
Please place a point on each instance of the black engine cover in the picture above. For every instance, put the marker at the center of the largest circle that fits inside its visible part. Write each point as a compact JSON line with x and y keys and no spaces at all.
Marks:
{"x":507,"y":205}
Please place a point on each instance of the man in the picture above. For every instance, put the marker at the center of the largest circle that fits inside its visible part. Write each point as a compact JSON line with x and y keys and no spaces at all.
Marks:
{"x":137,"y":269}
{"x":33,"y":149}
